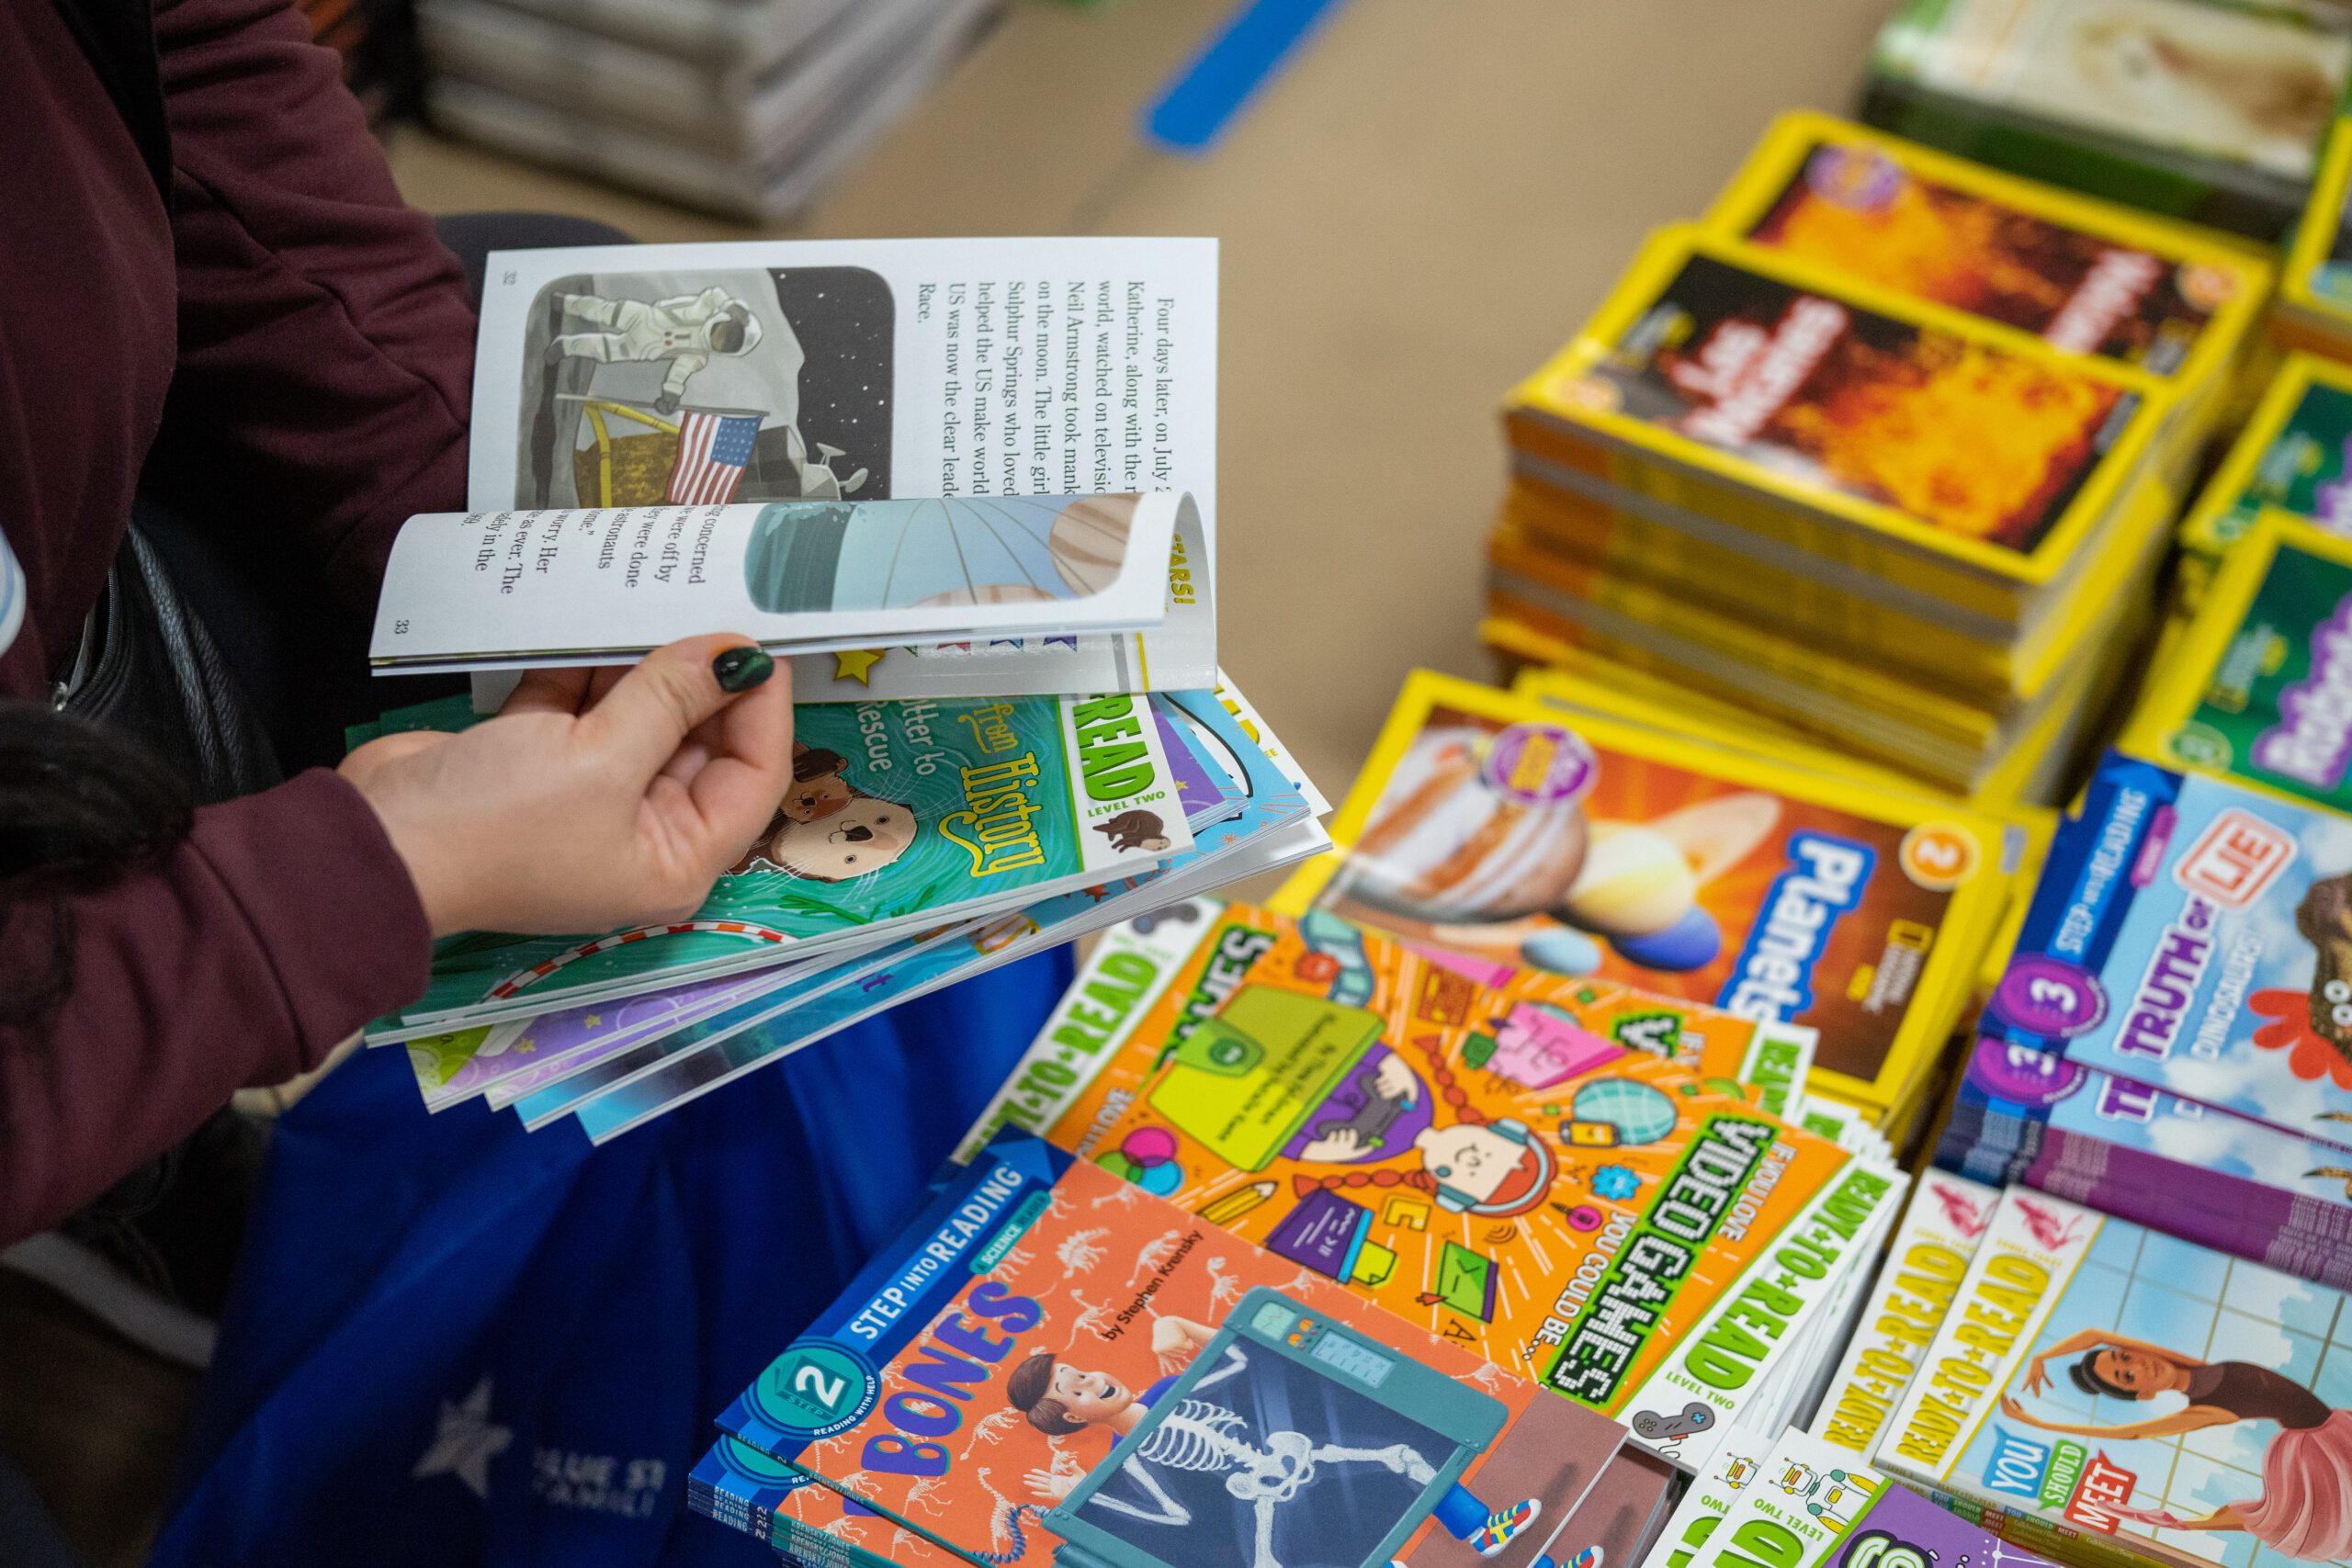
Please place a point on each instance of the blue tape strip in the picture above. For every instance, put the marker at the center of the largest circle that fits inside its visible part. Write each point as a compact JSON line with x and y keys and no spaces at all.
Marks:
{"x":1194,"y":109}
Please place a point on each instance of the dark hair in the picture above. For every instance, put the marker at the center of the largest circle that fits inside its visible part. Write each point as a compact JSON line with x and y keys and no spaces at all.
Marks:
{"x":1030,"y":1390}
{"x":2086,"y":1377}
{"x":80,"y":809}
{"x":817,"y":762}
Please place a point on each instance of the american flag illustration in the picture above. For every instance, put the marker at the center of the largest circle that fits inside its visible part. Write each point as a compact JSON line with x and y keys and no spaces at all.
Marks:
{"x":713,"y":449}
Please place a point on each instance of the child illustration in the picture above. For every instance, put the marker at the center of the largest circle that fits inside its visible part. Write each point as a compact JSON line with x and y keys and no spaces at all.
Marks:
{"x":1494,"y":1168}
{"x":687,"y":331}
{"x":826,"y":828}
{"x":1135,"y":830}
{"x":1263,"y":1469}
{"x":2305,"y":1508}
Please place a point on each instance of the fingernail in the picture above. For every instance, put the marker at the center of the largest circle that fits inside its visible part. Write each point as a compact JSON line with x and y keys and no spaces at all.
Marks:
{"x":741,"y":669}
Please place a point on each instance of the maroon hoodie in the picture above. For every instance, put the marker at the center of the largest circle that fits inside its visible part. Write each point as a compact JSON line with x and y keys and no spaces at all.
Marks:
{"x":285,"y":315}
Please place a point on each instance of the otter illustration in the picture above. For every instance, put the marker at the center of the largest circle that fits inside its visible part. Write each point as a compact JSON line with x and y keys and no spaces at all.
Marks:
{"x":826,"y":828}
{"x":1135,"y":830}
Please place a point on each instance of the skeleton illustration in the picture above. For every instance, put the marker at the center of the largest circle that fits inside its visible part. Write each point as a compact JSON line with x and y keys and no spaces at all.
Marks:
{"x":1225,"y":1288}
{"x":990,"y":1428}
{"x":1202,"y":1437}
{"x":1155,"y":1252}
{"x":922,"y":1497}
{"x":1081,"y":1250}
{"x":1090,"y":1317}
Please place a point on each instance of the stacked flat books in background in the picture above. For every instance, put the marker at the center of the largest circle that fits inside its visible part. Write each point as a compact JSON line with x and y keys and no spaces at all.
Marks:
{"x":1011,"y":726}
{"x":2315,"y":306}
{"x":1883,"y":452}
{"x":746,"y":107}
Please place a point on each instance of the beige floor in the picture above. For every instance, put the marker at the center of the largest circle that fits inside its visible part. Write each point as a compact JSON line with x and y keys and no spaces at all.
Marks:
{"x":1428,"y":201}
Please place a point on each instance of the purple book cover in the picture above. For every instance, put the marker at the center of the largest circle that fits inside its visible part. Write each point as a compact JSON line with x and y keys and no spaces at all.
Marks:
{"x":1900,"y":1527}
{"x":2178,"y":1166}
{"x":553,"y":1043}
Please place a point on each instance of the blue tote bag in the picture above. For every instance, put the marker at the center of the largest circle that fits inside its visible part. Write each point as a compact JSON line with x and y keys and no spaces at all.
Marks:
{"x":453,"y":1343}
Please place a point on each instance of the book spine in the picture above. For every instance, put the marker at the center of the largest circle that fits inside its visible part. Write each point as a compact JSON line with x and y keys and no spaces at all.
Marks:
{"x":2294,"y":1232}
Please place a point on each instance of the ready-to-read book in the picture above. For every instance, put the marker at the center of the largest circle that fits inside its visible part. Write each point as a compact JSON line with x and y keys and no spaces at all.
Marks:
{"x":2098,"y":1384}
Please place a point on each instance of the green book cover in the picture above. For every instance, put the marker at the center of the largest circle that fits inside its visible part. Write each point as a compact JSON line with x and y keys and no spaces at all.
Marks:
{"x":902,"y":816}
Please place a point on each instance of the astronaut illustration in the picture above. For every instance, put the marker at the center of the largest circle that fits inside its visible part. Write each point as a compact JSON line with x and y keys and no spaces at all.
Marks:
{"x":1263,"y":1471}
{"x":686,"y":332}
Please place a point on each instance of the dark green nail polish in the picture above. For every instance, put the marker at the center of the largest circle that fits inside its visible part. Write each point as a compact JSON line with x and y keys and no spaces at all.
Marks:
{"x":741,"y":669}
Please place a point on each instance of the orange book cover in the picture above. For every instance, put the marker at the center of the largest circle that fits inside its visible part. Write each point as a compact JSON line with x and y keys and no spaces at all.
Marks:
{"x":1051,"y":1366}
{"x":1568,"y":1205}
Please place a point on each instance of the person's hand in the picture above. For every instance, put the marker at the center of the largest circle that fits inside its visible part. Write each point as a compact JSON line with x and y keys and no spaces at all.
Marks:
{"x":1045,"y":1484}
{"x":667,"y":403}
{"x":2036,"y":1374}
{"x":594,"y":799}
{"x":2015,"y":1411}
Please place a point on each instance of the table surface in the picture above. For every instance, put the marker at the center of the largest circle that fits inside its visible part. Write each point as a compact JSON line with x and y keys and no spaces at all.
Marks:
{"x":1424,"y":204}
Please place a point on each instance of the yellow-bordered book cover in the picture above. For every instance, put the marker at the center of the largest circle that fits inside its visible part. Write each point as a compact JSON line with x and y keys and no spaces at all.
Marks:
{"x":2084,"y":276}
{"x":2259,"y":689}
{"x":2316,"y":280}
{"x":1628,"y":695}
{"x":1492,"y":825}
{"x":2295,"y":453}
{"x":1921,"y":427}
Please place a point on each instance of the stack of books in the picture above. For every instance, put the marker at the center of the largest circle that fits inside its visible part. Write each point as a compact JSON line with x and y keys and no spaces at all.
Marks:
{"x":1884,"y":452}
{"x":1286,"y":1242}
{"x":746,"y":107}
{"x":874,"y":459}
{"x":2210,"y":110}
{"x":1572,"y":829}
{"x":1052,"y":1363}
{"x":1482,"y":1152}
{"x":2314,"y":308}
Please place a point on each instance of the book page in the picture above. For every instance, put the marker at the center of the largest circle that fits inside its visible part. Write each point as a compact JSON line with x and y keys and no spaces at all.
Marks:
{"x":868,"y":370}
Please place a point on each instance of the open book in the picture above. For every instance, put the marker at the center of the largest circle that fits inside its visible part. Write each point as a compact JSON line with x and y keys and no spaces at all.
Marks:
{"x":868,"y":453}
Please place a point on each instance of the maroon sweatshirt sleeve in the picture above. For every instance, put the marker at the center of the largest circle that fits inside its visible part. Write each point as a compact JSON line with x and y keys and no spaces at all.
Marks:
{"x":326,"y":339}
{"x":284,"y":922}
{"x":323,"y":356}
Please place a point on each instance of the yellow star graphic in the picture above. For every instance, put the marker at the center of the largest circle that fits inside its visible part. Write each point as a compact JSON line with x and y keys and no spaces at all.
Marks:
{"x":857,"y":664}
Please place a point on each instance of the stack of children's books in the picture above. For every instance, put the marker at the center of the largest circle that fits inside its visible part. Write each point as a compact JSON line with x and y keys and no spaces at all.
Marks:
{"x":747,"y":107}
{"x":968,"y":487}
{"x":1884,"y":452}
{"x":2315,"y":306}
{"x":1573,"y":830}
{"x":1052,"y":1364}
{"x":1622,"y":1196}
{"x":2210,"y":110}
